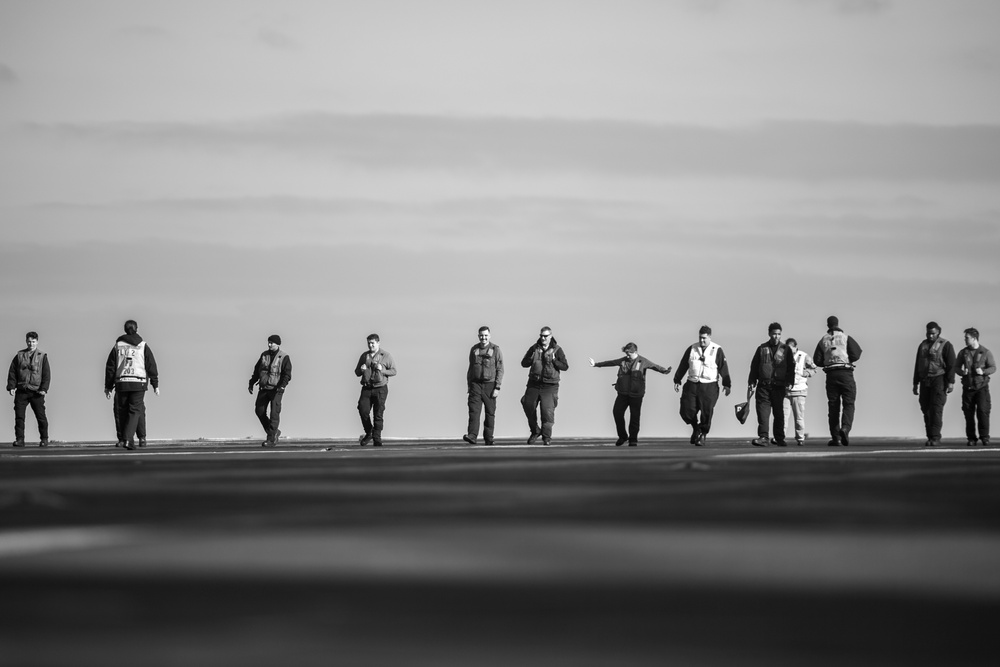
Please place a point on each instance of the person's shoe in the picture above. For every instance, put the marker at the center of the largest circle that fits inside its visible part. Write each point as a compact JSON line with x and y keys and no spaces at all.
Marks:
{"x":488,"y":443}
{"x":18,"y":443}
{"x":120,"y":443}
{"x":971,"y":443}
{"x":833,"y":443}
{"x":365,"y":439}
{"x":985,"y":442}
{"x":843,"y":437}
{"x":469,"y":439}
{"x":129,"y":446}
{"x":44,"y":443}
{"x":377,"y":444}
{"x":780,"y":443}
{"x":798,"y":441}
{"x":694,"y":435}
{"x":933,"y":442}
{"x":268,"y":443}
{"x":759,"y":442}
{"x":142,"y":442}
{"x":701,"y":440}
{"x":533,"y":437}
{"x":277,"y":434}
{"x":633,"y":444}
{"x":619,"y":442}
{"x":546,"y":442}
{"x":928,"y":443}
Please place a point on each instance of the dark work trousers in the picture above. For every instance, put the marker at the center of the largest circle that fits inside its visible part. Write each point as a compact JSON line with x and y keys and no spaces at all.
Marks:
{"x":634,"y":405}
{"x":548,"y":396}
{"x":269,"y":398}
{"x":770,"y":398}
{"x":976,"y":406}
{"x":699,"y":397}
{"x":840,"y":394}
{"x":481,"y":396}
{"x":133,"y":406}
{"x":22,"y":399}
{"x":371,"y":407}
{"x":140,"y":429}
{"x":933,"y":394}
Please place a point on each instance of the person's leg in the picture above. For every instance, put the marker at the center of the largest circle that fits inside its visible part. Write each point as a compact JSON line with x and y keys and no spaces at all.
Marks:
{"x":848,"y":396}
{"x":983,"y":407}
{"x":777,"y":393}
{"x":20,"y":409}
{"x":260,"y":409}
{"x":275,"y":420}
{"x":549,"y":397}
{"x":364,"y":410}
{"x":490,"y":407}
{"x":133,"y":405}
{"x":709,"y":396}
{"x":37,"y":402}
{"x":798,"y":407}
{"x":475,"y":409}
{"x":833,"y":406}
{"x":969,"y":411}
{"x":379,"y":396}
{"x":618,"y":413}
{"x":635,"y":414}
{"x":530,"y":402}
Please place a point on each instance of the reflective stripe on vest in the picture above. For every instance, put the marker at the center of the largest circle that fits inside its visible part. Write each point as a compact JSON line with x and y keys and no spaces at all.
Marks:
{"x":131,"y":362}
{"x":29,"y":369}
{"x":703,"y":366}
{"x":835,"y":350}
{"x":270,"y":373}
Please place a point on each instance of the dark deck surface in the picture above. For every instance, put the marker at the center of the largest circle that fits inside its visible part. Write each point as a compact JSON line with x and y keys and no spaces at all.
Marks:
{"x":437,"y":553}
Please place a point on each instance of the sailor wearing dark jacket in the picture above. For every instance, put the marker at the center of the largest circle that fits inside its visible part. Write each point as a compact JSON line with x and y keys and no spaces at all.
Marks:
{"x":836,"y":353}
{"x":772,"y":370}
{"x":703,"y":364}
{"x":631,"y":387}
{"x":933,"y":380}
{"x":374,"y":367}
{"x":483,"y":379}
{"x":271,"y":374}
{"x":28,"y":382}
{"x":975,"y":364}
{"x":545,"y":360}
{"x":130,"y":369}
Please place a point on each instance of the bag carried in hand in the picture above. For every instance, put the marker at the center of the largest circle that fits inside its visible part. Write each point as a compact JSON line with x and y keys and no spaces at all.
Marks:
{"x":743,"y":409}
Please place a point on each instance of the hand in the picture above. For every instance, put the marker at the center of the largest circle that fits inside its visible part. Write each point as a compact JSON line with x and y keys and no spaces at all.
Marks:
{"x":727,"y":390}
{"x":107,"y":394}
{"x":156,"y":390}
{"x":364,"y":367}
{"x":42,"y":393}
{"x":592,"y":362}
{"x":10,"y":391}
{"x":916,"y":391}
{"x":379,"y":367}
{"x":677,"y":387}
{"x":950,"y":389}
{"x":250,"y":389}
{"x":979,"y":371}
{"x":496,"y":392}
{"x":670,"y":369}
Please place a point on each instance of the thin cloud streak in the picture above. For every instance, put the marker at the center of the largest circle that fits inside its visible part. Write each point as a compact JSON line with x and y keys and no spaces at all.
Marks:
{"x":779,"y":150}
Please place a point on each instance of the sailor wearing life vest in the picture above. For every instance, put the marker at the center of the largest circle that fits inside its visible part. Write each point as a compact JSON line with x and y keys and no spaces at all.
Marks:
{"x":631,"y":387}
{"x":130,"y":369}
{"x":374,"y":367}
{"x":545,"y":360}
{"x":702,"y":366}
{"x":483,"y":379}
{"x":933,"y":380}
{"x":28,"y":382}
{"x":271,"y":374}
{"x":795,"y":395}
{"x":975,"y":364}
{"x":772,"y":370}
{"x":836,"y":353}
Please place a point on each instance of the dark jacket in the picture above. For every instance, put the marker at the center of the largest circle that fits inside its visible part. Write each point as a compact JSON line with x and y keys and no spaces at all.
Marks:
{"x":968,"y":361}
{"x":20,"y":366}
{"x":772,"y":364}
{"x":632,"y":373}
{"x":371,"y":376}
{"x":928,"y":365}
{"x":264,"y":362}
{"x":544,"y":365}
{"x":111,"y":368}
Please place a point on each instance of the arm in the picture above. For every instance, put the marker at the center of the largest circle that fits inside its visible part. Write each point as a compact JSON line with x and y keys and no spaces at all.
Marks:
{"x":12,"y":375}
{"x":109,"y":372}
{"x":818,"y":355}
{"x":720,"y":359}
{"x":359,"y":369}
{"x":610,"y":362}
{"x":151,"y":373}
{"x":526,"y":361}
{"x":989,"y":365}
{"x":559,"y":360}
{"x":255,"y":376}
{"x":754,"y":369}
{"x":853,"y":350}
{"x":653,"y":366}
{"x":286,"y":373}
{"x":46,"y":376}
{"x":388,"y":365}
{"x":499,"y":377}
{"x":948,"y":357}
{"x":682,"y":367}
{"x":468,"y":373}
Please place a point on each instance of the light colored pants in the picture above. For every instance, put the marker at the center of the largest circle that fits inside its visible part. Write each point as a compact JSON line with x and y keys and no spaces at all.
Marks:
{"x":795,"y":408}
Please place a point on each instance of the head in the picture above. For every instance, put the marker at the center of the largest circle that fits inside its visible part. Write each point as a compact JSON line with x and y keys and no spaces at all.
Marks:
{"x":131,"y":327}
{"x":373,"y":342}
{"x":792,"y":344}
{"x":484,"y":336}
{"x":705,"y":335}
{"x":972,"y":337}
{"x":31,"y":340}
{"x":774,"y":332}
{"x":273,"y":342}
{"x":832,"y":322}
{"x":545,"y":335}
{"x":631,"y":349}
{"x":933,"y":331}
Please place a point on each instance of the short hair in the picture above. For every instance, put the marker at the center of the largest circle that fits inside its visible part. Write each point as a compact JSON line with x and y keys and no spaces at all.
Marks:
{"x":131,"y":326}
{"x":972,"y":331}
{"x":630,"y":347}
{"x":705,"y":329}
{"x":31,"y":334}
{"x":484,"y":328}
{"x":933,"y":325}
{"x":543,"y":329}
{"x":374,"y":337}
{"x":792,"y":341}
{"x":774,"y":326}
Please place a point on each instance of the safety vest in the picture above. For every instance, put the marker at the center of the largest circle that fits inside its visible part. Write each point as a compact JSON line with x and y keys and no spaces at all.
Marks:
{"x":930,"y":360}
{"x":270,"y":373}
{"x":703,"y":365}
{"x":834,"y":346}
{"x":372,"y":376}
{"x":968,"y":362}
{"x":772,"y":359}
{"x":800,"y":384}
{"x":29,"y":369}
{"x":543,"y":365}
{"x":484,"y":363}
{"x":131,"y":362}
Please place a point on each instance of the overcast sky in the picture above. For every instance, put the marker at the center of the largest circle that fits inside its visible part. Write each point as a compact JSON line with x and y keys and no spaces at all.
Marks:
{"x":620,"y":171}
